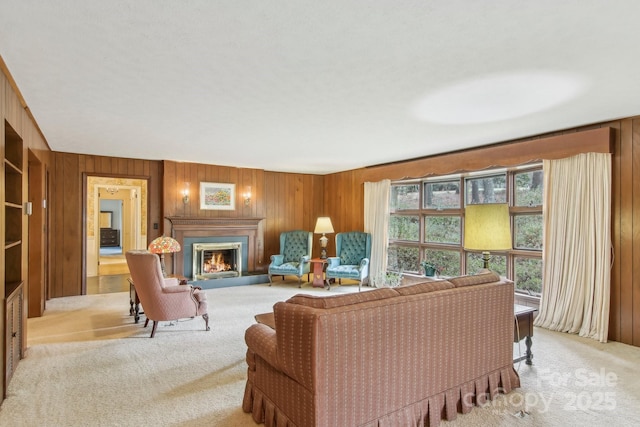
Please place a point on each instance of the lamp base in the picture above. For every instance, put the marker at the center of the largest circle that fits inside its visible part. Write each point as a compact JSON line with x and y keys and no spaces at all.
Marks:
{"x":485,"y":259}
{"x":164,"y":271}
{"x":323,"y":246}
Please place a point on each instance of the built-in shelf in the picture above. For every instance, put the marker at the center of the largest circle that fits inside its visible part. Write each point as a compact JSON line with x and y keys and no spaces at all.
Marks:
{"x":13,"y":248}
{"x":9,"y":245}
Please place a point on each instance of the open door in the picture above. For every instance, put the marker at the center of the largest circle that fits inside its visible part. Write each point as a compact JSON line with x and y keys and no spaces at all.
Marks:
{"x":115,"y":223}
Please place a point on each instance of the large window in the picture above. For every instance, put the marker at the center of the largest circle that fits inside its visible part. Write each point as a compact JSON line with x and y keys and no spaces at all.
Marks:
{"x":427,"y":222}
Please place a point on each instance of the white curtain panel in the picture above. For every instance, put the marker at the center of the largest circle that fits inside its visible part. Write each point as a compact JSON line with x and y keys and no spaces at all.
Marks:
{"x":376,"y":222}
{"x":577,"y":245}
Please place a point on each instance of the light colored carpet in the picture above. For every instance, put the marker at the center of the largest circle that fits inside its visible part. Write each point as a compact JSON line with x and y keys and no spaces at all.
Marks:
{"x":88,"y":364}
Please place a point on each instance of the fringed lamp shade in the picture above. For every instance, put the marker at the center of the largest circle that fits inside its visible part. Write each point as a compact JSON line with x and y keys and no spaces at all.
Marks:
{"x":164,"y":245}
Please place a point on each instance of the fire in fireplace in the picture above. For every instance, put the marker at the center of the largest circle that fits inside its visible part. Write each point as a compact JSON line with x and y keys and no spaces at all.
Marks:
{"x":217,"y":260}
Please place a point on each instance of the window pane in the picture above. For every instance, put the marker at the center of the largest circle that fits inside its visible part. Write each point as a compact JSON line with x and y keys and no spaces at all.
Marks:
{"x":404,"y":228}
{"x":528,"y":275}
{"x":448,"y":262}
{"x":442,"y":195}
{"x":403,"y":258}
{"x":528,"y":231}
{"x":404,"y":197}
{"x":497,"y":263}
{"x":442,"y":229}
{"x":488,"y":189}
{"x":528,"y":191}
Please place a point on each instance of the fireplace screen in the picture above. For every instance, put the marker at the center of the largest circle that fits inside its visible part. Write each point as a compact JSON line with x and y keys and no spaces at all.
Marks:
{"x":217,"y":260}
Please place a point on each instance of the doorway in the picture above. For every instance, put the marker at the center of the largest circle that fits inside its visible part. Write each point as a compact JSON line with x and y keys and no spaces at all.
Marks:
{"x":116,"y":220}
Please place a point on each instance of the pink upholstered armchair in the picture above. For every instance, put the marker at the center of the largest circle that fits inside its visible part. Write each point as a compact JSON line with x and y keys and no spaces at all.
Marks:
{"x":163,"y":299}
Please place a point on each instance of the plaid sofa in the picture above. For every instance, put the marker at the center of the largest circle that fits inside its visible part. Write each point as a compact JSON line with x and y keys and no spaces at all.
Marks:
{"x":411,"y":355}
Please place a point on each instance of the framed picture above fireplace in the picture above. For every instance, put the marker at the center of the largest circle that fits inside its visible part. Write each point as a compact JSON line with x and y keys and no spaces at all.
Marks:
{"x":219,"y":196}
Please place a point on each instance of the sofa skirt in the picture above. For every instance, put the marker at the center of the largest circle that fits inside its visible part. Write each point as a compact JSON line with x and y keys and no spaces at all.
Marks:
{"x":427,"y":412}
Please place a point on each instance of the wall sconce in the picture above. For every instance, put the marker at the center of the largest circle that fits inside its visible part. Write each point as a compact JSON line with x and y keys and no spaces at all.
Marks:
{"x":247,"y":195}
{"x":185,"y":193}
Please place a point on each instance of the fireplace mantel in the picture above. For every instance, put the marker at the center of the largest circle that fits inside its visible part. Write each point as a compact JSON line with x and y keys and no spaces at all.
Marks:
{"x":183,"y":227}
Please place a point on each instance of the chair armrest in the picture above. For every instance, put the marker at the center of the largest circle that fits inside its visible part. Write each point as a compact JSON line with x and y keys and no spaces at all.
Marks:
{"x":171,"y":281}
{"x":333,"y":261}
{"x":277,"y":259}
{"x":363,"y":263}
{"x":304,"y":259}
{"x":261,"y":339}
{"x":177,"y":289}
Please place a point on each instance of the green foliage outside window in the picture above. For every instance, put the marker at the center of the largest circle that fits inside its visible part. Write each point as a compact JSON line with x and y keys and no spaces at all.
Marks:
{"x":442,"y":229}
{"x":404,"y":197}
{"x":488,"y":189}
{"x":447,"y":262}
{"x":497,"y":263}
{"x":442,"y":195}
{"x":528,"y":191}
{"x":528,"y":275}
{"x":403,"y":258}
{"x":435,"y":225}
{"x":528,"y":232}
{"x":404,"y":228}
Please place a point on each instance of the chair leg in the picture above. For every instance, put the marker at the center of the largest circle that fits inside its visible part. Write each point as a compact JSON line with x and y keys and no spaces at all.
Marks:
{"x":153,"y":330}
{"x":270,"y":281}
{"x":146,"y":322}
{"x":359,"y":284}
{"x":206,"y":321}
{"x":300,"y":282}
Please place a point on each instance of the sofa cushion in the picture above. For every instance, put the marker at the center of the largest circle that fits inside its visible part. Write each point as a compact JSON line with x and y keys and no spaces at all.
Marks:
{"x":342,"y":300}
{"x":424,"y":287}
{"x":475,"y":279}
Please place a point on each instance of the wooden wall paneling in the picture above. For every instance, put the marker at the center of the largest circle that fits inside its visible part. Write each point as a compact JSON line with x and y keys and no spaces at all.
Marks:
{"x":614,"y":311}
{"x":72,"y":253}
{"x":231,"y":177}
{"x":122,"y":166}
{"x":169,"y":207}
{"x":154,"y":170}
{"x":201,"y":176}
{"x":626,"y":232}
{"x":269,"y":195}
{"x":56,"y":230}
{"x":635,"y":240}
{"x":192,"y":177}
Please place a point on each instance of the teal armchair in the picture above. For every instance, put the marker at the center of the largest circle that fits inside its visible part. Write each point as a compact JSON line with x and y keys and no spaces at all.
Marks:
{"x":353,"y":250}
{"x":294,"y":256}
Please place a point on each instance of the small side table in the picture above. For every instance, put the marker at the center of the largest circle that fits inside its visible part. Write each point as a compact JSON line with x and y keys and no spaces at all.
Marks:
{"x":319,"y":265}
{"x":523,"y":328}
{"x":134,"y":301}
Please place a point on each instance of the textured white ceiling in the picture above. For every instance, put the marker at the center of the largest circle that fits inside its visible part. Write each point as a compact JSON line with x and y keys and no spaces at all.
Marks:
{"x":316,"y":86}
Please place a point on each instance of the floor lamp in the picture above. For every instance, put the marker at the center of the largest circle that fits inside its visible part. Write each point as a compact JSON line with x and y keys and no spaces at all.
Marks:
{"x":164,"y":245}
{"x":487,"y":228}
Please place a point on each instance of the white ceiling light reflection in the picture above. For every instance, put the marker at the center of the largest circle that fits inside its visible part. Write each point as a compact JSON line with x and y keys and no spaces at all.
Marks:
{"x":496,"y":97}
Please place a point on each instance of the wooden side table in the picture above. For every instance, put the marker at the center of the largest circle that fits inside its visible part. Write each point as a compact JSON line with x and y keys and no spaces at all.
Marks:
{"x":134,"y":301}
{"x":319,"y":265}
{"x":523,"y":328}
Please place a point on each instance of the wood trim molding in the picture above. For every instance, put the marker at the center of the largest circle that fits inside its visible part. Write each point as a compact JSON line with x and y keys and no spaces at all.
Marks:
{"x":508,"y":154}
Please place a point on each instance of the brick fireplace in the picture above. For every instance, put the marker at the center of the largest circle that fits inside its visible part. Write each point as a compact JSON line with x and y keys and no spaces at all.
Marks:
{"x":245,"y":233}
